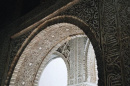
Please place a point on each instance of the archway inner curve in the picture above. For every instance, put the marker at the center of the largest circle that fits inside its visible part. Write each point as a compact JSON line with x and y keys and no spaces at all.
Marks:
{"x":79,"y":57}
{"x":35,"y":52}
{"x":38,"y":48}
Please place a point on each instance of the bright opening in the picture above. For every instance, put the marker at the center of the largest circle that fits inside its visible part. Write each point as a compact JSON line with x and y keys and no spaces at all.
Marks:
{"x":55,"y":74}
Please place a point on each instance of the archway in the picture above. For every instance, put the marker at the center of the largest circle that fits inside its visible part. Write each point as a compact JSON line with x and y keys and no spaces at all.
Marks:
{"x":27,"y":65}
{"x":79,"y":57}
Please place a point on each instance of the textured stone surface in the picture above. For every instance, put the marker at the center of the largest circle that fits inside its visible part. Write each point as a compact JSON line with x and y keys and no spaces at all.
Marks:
{"x":110,"y":22}
{"x":87,"y":10}
{"x":9,"y":30}
{"x":37,"y":50}
{"x":115,"y":31}
{"x":79,"y":57}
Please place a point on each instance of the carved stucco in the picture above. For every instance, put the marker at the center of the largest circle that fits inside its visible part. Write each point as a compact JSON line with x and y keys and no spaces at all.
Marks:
{"x":87,"y":10}
{"x":37,"y":50}
{"x":115,"y":41}
{"x":110,"y":23}
{"x":79,"y":57}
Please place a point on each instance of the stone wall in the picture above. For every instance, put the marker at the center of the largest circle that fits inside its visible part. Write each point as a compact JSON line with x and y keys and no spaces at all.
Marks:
{"x":109,"y":21}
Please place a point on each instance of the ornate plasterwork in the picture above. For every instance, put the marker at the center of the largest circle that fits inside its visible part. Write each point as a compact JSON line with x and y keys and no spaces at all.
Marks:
{"x":65,"y":49}
{"x":58,"y":50}
{"x":92,"y":73}
{"x":113,"y":36}
{"x":115,"y":41}
{"x":27,"y":71}
{"x":79,"y":59}
{"x":87,"y":10}
{"x":33,"y":55}
{"x":83,"y":69}
{"x":15,"y":45}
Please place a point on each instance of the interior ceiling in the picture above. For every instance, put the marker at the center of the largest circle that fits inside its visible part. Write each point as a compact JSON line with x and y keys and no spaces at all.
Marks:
{"x":11,"y":10}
